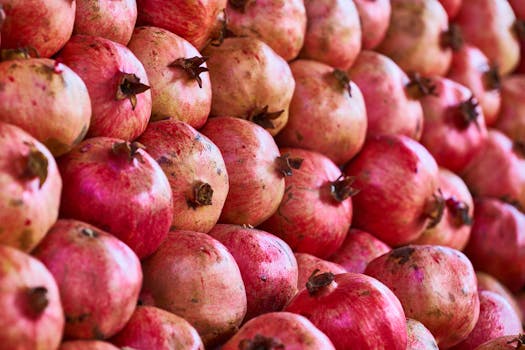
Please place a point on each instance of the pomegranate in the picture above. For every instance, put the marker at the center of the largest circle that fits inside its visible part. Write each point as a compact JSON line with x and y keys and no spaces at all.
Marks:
{"x":497,"y":242}
{"x":375,"y":17}
{"x":44,"y":25}
{"x":418,"y":37}
{"x":268,"y":268}
{"x":32,"y":316}
{"x":419,"y":337}
{"x":316,"y":211}
{"x":327,"y":112}
{"x":487,"y":282}
{"x":451,"y":7}
{"x":412,"y":272}
{"x":255,"y":168}
{"x":333,"y":32}
{"x":279,"y":330}
{"x":250,"y":81}
{"x":47,"y":99}
{"x":358,"y":249}
{"x":454,"y":228}
{"x":30,"y":187}
{"x":508,"y":342}
{"x":117,"y":85}
{"x":338,"y":304}
{"x":101,"y":294}
{"x":308,"y":263}
{"x":120,"y":188}
{"x":180,"y":84}
{"x":195,"y":21}
{"x":86,"y":345}
{"x":511,"y":119}
{"x":280,"y":24}
{"x":195,"y":277}
{"x":488,"y":25}
{"x":154,"y":328}
{"x":113,"y":20}
{"x":399,"y":197}
{"x":391,"y":102}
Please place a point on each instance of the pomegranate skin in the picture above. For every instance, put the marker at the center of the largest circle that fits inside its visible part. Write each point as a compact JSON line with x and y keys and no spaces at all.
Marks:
{"x":195,"y":170}
{"x":313,"y":217}
{"x":487,"y":282}
{"x":511,"y":119}
{"x":333,"y":33}
{"x":280,"y":24}
{"x":419,"y":337}
{"x":308,"y":263}
{"x":375,"y":17}
{"x":153,"y":328}
{"x":412,"y":271}
{"x":45,"y":25}
{"x":113,"y":20}
{"x":101,"y":64}
{"x":398,"y":180}
{"x":86,"y":345}
{"x":508,"y":342}
{"x":326,"y":115}
{"x":123,"y":191}
{"x":518,"y":7}
{"x":174,"y":92}
{"x":451,"y":7}
{"x":292,"y":331}
{"x":30,"y":187}
{"x":32,"y":315}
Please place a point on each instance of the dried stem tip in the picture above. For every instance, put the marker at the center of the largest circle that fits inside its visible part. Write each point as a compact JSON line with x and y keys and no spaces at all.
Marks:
{"x":420,"y":87}
{"x":341,"y":189}
{"x":468,"y":113}
{"x":129,"y":86}
{"x":130,"y":150}
{"x":434,"y":209}
{"x":459,"y":211}
{"x":285,"y":164}
{"x":262,"y":117}
{"x":318,"y":281}
{"x":192,"y":67}
{"x":36,"y":165}
{"x":343,"y":80}
{"x":202,"y":194}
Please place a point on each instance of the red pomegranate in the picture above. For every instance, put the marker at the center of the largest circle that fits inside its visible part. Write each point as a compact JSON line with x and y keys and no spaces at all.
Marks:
{"x":419,"y":337}
{"x":316,"y":211}
{"x":180,"y":84}
{"x":327,"y":112}
{"x":375,"y":17}
{"x":508,"y":342}
{"x":30,"y":187}
{"x":117,"y":84}
{"x":487,"y":282}
{"x":511,"y":119}
{"x":309,"y":264}
{"x":119,"y":188}
{"x":86,"y":345}
{"x":451,"y":7}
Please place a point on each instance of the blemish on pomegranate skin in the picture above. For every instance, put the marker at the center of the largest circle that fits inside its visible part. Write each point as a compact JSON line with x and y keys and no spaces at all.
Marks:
{"x":402,"y":254}
{"x":11,"y":79}
{"x":27,"y":222}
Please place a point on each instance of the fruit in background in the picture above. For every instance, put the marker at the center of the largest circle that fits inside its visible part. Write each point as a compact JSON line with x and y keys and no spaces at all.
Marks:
{"x":250,"y":81}
{"x":86,"y":345}
{"x":327,"y":112}
{"x":100,"y":296}
{"x":333,"y":33}
{"x":413,"y":271}
{"x":117,"y":85}
{"x":30,"y":187}
{"x":43,"y":25}
{"x":308,"y":264}
{"x":419,"y":337}
{"x":508,"y":342}
{"x":398,"y":180}
{"x":177,"y":73}
{"x":113,"y":20}
{"x":487,"y":282}
{"x":32,"y":315}
{"x":119,"y":188}
{"x":316,"y":211}
{"x":511,"y":119}
{"x":195,"y":277}
{"x":47,"y":99}
{"x":279,"y":330}
{"x":451,"y":7}
{"x":488,"y":25}
{"x":374,"y":17}
{"x":391,"y":107}
{"x":280,"y":24}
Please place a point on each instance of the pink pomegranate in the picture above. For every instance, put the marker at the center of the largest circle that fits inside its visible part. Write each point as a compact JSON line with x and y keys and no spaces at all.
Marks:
{"x":390,"y":99}
{"x":250,"y":81}
{"x":195,"y":277}
{"x":117,"y":84}
{"x":268,"y":267}
{"x":47,"y":99}
{"x":338,"y":304}
{"x":279,"y":330}
{"x":256,"y":170}
{"x":419,"y":337}
{"x":316,"y":211}
{"x":358,"y":249}
{"x":195,"y":21}
{"x":113,"y":20}
{"x":30,"y":187}
{"x":413,"y":271}
{"x":180,"y":84}
{"x":375,"y":17}
{"x":487,"y":282}
{"x":488,"y":25}
{"x":327,"y":112}
{"x":508,"y":342}
{"x":32,"y":315}
{"x":118,"y":187}
{"x":280,"y":24}
{"x":451,"y":7}
{"x":418,"y":37}
{"x":398,"y":180}
{"x":454,"y":228}
{"x":44,"y":25}
{"x":154,"y":328}
{"x":309,"y":264}
{"x":86,"y":345}
{"x":497,"y":242}
{"x":511,"y":119}
{"x":333,"y":33}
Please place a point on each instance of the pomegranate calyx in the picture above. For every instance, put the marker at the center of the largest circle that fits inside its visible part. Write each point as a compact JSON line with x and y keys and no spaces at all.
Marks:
{"x":86,"y":231}
{"x":240,"y":5}
{"x":341,"y":189}
{"x":343,"y":80}
{"x":22,"y":53}
{"x":285,"y":164}
{"x":260,"y":342}
{"x":262,"y":117}
{"x":452,"y":38}
{"x":420,"y":86}
{"x":201,"y":195}
{"x":221,"y":31}
{"x":519,"y":29}
{"x":459,"y":211}
{"x":192,"y":67}
{"x":129,"y":87}
{"x":36,"y":165}
{"x":130,"y":150}
{"x":37,"y":300}
{"x":519,"y":148}
{"x":317,"y":281}
{"x":468,"y":113}
{"x":491,"y":78}
{"x":402,"y":254}
{"x":434,"y":209}
{"x":519,"y":340}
